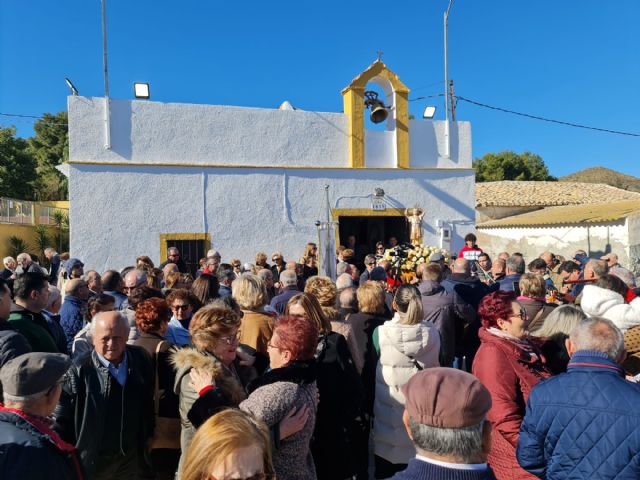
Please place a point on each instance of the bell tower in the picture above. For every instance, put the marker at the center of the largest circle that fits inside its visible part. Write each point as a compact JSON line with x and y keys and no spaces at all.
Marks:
{"x":372,"y":148}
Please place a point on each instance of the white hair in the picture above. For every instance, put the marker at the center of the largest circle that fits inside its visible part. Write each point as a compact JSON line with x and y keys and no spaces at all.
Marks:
{"x":54,"y":295}
{"x":6,"y":261}
{"x":589,"y":335}
{"x":23,"y":256}
{"x":49,"y":250}
{"x":342,"y":267}
{"x":344,"y":281}
{"x":288,"y":278}
{"x":465,"y":443}
{"x":122,"y":320}
{"x":24,"y":400}
{"x":140,"y":275}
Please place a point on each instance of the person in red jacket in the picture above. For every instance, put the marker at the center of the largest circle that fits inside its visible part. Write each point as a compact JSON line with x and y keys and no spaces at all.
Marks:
{"x":470,"y":252}
{"x":509,"y":363}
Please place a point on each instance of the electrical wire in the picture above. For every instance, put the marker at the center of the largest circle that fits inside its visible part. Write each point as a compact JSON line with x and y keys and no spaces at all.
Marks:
{"x":31,"y":118}
{"x":424,"y":97}
{"x":543,"y":119}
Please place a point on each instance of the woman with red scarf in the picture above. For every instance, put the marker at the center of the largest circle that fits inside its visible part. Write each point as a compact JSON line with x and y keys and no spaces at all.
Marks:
{"x":509,"y":363}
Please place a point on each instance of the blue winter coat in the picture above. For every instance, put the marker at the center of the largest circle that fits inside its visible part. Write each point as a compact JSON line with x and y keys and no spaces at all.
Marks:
{"x":29,"y":449}
{"x":72,"y":317}
{"x":583,"y":424}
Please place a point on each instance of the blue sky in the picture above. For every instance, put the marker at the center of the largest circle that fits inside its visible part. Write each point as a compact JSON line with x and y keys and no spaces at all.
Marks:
{"x":572,"y":60}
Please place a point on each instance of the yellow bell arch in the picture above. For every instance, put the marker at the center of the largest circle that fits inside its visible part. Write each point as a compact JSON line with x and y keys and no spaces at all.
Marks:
{"x":353,"y":96}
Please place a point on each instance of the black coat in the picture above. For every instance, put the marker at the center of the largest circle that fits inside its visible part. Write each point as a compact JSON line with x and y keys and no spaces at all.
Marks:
{"x":340,"y":421}
{"x":29,"y":449}
{"x":81,"y":412}
{"x":12,"y":345}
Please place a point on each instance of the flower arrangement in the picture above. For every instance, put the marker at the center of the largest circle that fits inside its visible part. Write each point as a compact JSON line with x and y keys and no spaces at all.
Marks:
{"x":414,"y":256}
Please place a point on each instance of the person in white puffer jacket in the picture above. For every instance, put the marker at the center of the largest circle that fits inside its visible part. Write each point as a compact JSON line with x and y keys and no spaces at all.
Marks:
{"x":606,"y":298}
{"x":406,"y":345}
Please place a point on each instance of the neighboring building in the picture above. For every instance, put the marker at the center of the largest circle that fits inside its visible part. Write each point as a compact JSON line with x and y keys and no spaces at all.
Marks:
{"x":531,"y":217}
{"x":246,"y":179}
{"x":18,"y":218}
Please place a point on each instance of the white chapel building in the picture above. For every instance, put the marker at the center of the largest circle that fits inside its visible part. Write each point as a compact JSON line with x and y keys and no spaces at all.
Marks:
{"x":243,"y":180}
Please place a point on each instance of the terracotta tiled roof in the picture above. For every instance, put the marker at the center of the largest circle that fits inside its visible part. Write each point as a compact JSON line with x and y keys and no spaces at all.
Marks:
{"x":569,"y":215}
{"x":545,"y":194}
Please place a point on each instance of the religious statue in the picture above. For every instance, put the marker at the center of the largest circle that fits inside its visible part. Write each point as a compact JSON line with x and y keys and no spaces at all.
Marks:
{"x":414,"y":217}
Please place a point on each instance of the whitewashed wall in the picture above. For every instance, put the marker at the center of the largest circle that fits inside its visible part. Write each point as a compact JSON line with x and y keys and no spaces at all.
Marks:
{"x":562,"y":240}
{"x":119,"y":212}
{"x":153,"y":132}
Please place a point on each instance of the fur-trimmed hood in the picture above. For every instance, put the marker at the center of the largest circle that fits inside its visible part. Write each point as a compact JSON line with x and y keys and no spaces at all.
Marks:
{"x":185,"y":359}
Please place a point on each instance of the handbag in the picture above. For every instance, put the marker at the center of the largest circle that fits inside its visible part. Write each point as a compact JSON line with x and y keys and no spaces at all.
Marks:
{"x":167,"y":431}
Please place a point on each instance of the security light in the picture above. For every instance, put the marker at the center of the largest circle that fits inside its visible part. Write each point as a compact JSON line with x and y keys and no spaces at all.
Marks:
{"x":429,"y":112}
{"x":141,"y":90}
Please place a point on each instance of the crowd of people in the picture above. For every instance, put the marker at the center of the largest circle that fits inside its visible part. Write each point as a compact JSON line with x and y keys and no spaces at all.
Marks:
{"x":480,"y":368}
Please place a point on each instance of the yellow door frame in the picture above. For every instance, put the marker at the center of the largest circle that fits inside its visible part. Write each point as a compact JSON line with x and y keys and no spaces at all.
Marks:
{"x":336,"y":213}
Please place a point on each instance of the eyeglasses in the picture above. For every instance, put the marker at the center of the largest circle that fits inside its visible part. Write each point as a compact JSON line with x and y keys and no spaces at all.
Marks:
{"x":181,"y":307}
{"x":128,"y":289}
{"x":522,"y":314}
{"x":231,"y":339}
{"x":276,"y":259}
{"x":271,"y":345}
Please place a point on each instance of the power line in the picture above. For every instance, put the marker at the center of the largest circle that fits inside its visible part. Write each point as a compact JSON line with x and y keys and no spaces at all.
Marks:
{"x":536,"y":117}
{"x":424,"y":97}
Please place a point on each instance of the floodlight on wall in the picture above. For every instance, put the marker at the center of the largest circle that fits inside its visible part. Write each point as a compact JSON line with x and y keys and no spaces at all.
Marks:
{"x":74,"y":90}
{"x":141,"y":90}
{"x":379,"y":111}
{"x":429,"y":112}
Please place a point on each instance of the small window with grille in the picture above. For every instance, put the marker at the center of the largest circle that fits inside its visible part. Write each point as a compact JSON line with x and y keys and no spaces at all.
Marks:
{"x":192,"y":247}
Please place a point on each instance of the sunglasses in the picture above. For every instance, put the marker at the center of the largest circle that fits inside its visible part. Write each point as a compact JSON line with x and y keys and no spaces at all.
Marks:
{"x":257,"y":476}
{"x":181,"y":307}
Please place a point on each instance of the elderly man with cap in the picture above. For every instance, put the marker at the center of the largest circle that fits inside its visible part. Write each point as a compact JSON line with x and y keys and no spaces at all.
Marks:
{"x":29,"y":448}
{"x":445,"y":417}
{"x":106,"y":407}
{"x":439,"y":258}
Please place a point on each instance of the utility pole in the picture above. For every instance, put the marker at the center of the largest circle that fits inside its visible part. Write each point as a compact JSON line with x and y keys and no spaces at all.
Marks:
{"x":107,"y":101}
{"x":446,"y":81}
{"x":452,"y":100}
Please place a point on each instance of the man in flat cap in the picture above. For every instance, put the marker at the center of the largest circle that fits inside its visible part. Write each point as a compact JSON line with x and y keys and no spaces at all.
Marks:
{"x":106,"y":407}
{"x":29,"y":448}
{"x":445,"y":416}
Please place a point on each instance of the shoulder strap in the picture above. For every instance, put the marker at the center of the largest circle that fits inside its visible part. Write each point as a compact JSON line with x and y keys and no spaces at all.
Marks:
{"x":156,"y":389}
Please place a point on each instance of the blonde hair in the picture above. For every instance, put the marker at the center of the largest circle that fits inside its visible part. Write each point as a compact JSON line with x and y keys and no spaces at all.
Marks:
{"x":308,"y":258}
{"x":261,"y":258}
{"x":210,"y":323}
{"x":562,"y":319}
{"x":250,"y":292}
{"x":312,"y":309}
{"x":532,"y":285}
{"x":371,"y":299}
{"x":326,"y":293}
{"x":171,"y":279}
{"x":219,"y":437}
{"x":409,"y":304}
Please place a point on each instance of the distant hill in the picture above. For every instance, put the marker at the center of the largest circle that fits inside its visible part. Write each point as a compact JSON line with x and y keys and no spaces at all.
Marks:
{"x":606,"y":176}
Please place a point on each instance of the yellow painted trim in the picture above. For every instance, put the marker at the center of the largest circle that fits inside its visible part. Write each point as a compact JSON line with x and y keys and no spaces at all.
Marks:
{"x":402,"y":130}
{"x":336,"y":213}
{"x":264,"y":167}
{"x":354,"y":108}
{"x":182,"y":236}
